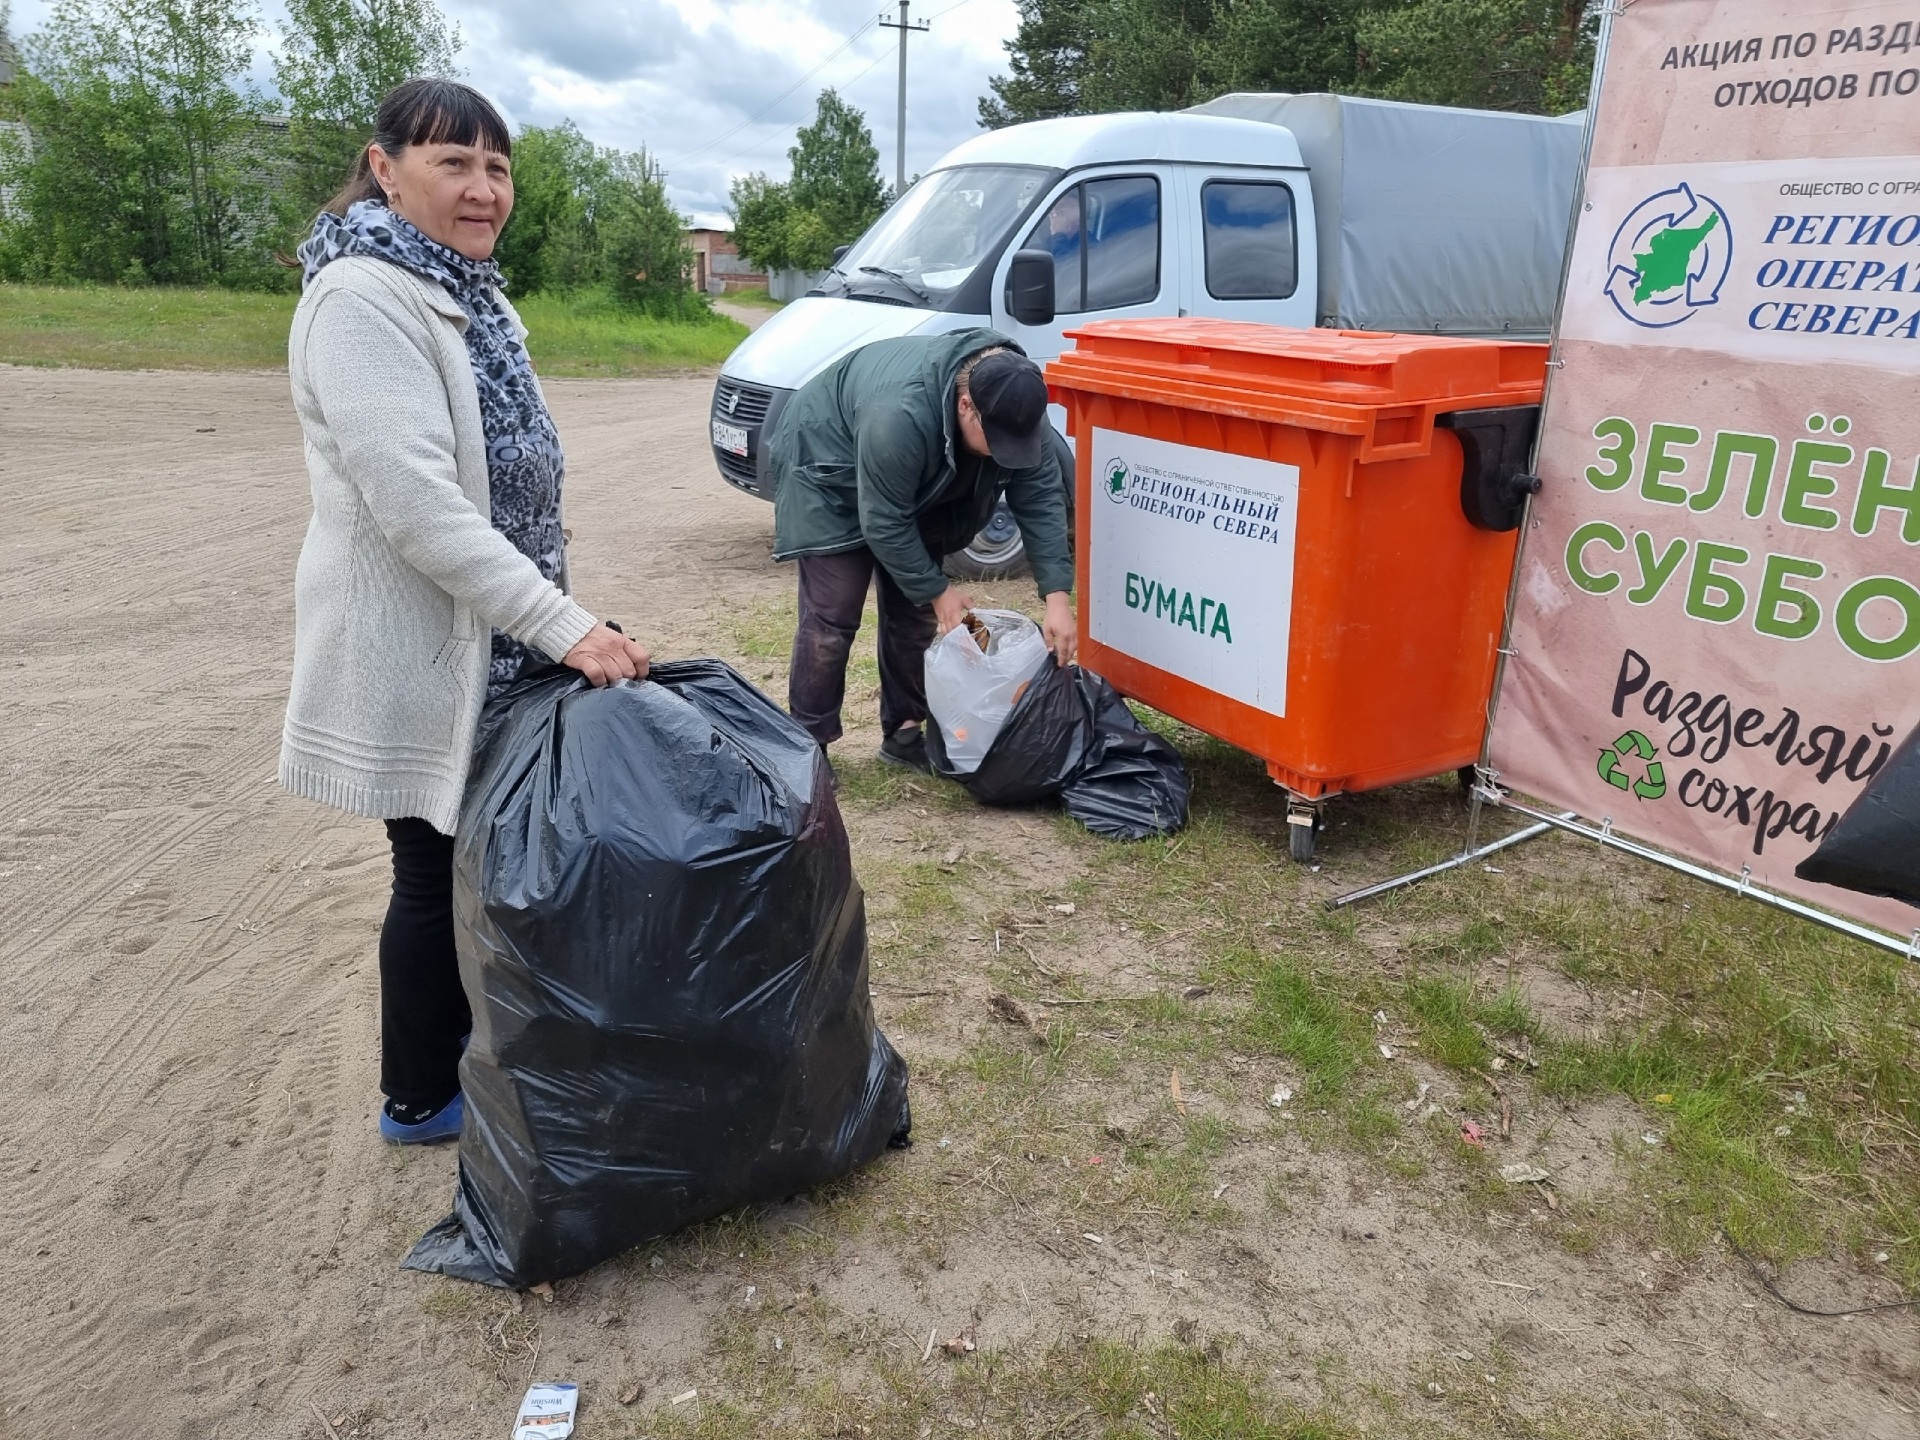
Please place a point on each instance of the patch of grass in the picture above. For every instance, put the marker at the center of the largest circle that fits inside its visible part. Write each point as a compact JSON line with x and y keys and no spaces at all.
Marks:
{"x":1774,"y":1057}
{"x":764,"y":629}
{"x":1111,"y":1388}
{"x":1457,"y":1022}
{"x":1294,"y":1016}
{"x":176,"y":328}
{"x":148,"y":328}
{"x":1794,"y":1117}
{"x":588,"y":335}
{"x":759,"y":299}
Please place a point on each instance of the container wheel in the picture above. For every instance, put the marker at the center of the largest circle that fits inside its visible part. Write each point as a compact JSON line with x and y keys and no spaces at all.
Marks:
{"x":1304,"y":823}
{"x":1300,"y":842}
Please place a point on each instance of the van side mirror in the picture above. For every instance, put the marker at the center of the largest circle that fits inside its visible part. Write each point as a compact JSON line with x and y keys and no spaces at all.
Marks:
{"x":1030,"y":287}
{"x":840,"y":253}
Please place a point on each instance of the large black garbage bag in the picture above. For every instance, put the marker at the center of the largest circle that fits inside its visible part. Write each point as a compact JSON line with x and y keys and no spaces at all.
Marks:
{"x":1037,"y":751}
{"x":1072,"y":738}
{"x":1875,"y":848}
{"x":666,"y":952}
{"x":1131,"y":784}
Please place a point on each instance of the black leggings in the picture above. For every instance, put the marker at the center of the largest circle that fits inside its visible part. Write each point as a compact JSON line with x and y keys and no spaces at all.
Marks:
{"x":423,"y":1011}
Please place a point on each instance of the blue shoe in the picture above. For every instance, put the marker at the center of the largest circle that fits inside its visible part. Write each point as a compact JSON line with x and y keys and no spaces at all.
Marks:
{"x":443,"y":1124}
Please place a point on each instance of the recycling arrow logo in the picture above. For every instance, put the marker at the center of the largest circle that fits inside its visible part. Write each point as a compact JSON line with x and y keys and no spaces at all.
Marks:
{"x":1669,"y":258}
{"x":1650,"y":786}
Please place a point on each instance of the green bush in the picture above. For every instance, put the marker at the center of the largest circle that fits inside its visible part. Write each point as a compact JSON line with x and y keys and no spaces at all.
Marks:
{"x":834,"y":195}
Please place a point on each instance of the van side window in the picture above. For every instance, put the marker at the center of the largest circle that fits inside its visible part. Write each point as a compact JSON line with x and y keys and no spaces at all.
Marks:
{"x":1059,"y":233}
{"x":1249,"y":231}
{"x":1123,"y":241}
{"x":1104,"y":236}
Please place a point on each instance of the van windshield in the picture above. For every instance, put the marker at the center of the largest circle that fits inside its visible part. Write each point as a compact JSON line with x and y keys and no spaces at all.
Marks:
{"x":923,"y":249}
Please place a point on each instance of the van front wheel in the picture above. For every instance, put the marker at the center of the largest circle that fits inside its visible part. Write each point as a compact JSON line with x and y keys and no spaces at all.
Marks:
{"x":996,"y":553}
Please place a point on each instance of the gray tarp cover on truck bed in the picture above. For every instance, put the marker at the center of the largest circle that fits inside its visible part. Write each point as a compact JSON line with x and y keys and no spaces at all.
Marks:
{"x":1431,"y":219}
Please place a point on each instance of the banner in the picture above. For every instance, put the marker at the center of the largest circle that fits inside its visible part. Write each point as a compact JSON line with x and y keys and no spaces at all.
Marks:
{"x":1716,"y":639}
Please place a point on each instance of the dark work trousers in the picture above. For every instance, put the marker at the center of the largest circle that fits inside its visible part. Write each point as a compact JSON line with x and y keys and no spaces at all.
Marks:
{"x":833,"y":592}
{"x":423,"y":1011}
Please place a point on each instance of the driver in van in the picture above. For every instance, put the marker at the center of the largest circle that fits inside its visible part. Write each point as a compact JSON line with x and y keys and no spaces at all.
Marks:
{"x":888,"y":460}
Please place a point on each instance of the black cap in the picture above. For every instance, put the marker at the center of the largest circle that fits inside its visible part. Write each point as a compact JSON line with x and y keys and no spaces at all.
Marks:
{"x":1012,"y":400}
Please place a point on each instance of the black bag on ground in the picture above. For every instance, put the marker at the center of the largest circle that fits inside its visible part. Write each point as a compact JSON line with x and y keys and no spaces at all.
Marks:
{"x":1131,"y":783}
{"x":1072,"y":738}
{"x":666,"y":952}
{"x":1875,"y":848}
{"x":1036,"y":752}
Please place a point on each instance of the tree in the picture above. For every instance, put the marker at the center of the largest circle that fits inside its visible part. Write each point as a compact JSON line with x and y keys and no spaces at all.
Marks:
{"x":1088,"y":57}
{"x":644,"y":257}
{"x":586,"y":218}
{"x":337,"y":61}
{"x":836,"y":170}
{"x":834,"y":195}
{"x":1531,"y":55}
{"x":1084,"y":57}
{"x":762,"y":211}
{"x":137,"y":167}
{"x":1045,"y":60}
{"x":553,"y":170}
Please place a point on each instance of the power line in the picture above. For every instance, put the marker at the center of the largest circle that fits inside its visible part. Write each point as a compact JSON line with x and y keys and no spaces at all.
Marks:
{"x":906,"y":27}
{"x":843,"y":85}
{"x":846,"y":84}
{"x":728,"y":135}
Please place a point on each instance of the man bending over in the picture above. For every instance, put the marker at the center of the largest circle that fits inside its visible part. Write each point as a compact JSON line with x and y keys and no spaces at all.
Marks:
{"x":889,"y":459}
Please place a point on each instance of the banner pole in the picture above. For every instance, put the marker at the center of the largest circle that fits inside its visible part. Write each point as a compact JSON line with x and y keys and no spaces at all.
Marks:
{"x":1484,"y":769}
{"x":1741,"y":884}
{"x":1531,"y":832}
{"x":1554,"y":364}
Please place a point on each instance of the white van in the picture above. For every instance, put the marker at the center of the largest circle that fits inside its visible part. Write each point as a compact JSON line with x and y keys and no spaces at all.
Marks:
{"x":1285,"y":209}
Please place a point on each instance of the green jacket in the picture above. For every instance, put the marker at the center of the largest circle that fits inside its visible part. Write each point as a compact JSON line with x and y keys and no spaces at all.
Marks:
{"x":866,"y":449}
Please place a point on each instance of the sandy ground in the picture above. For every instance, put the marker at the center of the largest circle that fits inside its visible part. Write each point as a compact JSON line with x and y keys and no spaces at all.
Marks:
{"x":201,"y":1230}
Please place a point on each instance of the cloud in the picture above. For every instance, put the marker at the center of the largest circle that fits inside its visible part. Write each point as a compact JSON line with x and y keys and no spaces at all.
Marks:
{"x":698,"y":83}
{"x":607,"y":43}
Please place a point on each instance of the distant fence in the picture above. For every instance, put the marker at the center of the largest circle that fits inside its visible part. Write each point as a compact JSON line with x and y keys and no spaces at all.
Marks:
{"x":12,"y":133}
{"x":786,"y":285}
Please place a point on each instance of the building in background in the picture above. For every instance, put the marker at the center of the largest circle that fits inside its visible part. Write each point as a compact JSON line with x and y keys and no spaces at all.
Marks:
{"x":12,"y":132}
{"x":718,"y":268}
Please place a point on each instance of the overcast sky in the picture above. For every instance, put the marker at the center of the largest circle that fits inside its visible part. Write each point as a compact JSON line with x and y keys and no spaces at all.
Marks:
{"x":683,"y":77}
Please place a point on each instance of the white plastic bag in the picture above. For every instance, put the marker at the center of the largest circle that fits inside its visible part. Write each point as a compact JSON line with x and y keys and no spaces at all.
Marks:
{"x":970,"y":692}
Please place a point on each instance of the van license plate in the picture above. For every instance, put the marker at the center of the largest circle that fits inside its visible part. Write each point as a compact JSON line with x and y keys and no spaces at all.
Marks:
{"x":730,"y":438}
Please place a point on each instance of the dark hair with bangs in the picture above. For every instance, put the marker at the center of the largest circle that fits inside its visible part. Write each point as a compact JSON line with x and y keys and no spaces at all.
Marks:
{"x":424,"y":112}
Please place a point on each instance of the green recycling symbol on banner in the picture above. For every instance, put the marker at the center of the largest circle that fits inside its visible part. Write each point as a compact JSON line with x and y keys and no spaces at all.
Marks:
{"x":1653,"y":785}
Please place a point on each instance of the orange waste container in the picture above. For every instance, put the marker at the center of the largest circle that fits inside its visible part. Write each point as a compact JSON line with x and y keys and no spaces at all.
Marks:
{"x":1301,"y":541}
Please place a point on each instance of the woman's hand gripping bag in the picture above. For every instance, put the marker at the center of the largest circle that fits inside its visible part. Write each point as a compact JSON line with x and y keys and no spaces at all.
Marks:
{"x":666,"y":951}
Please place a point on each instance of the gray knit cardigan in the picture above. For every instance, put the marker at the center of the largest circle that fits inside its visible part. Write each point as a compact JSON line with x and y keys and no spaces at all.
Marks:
{"x":402,"y":577}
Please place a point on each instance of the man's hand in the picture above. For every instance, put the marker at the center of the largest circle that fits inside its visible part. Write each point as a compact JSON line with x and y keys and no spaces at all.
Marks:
{"x":1061,"y":629}
{"x":950,"y":607}
{"x":605,"y":655}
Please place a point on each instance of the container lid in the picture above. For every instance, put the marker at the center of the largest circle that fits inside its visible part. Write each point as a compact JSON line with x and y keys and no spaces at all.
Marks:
{"x":1345,"y":381}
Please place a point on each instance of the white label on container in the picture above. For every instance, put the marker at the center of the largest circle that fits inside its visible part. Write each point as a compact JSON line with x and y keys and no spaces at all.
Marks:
{"x":1191,"y":563}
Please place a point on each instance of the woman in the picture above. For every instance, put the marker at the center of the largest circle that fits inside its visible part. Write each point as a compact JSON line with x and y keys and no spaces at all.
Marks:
{"x":434,"y":568}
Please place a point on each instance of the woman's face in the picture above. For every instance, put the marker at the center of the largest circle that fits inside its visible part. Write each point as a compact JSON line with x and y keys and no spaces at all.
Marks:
{"x":459,"y":195}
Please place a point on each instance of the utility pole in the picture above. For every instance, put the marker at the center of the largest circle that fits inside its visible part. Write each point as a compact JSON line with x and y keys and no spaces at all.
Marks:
{"x":900,"y":117}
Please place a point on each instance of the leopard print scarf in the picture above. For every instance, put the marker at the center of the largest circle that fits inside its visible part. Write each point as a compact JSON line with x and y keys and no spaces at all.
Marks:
{"x":525,"y":466}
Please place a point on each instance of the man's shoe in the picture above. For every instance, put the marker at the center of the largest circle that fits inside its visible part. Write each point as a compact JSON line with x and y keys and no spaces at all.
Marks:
{"x":442,"y":1124}
{"x":907,"y":747}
